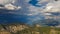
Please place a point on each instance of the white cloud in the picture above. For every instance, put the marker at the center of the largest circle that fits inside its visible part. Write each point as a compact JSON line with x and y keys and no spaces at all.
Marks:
{"x":48,"y":8}
{"x":35,"y":10}
{"x":42,"y":1}
{"x":13,"y":1}
{"x":58,"y":26}
{"x":47,"y":14}
{"x":52,"y":6}
{"x":3,"y":2}
{"x":10,"y":7}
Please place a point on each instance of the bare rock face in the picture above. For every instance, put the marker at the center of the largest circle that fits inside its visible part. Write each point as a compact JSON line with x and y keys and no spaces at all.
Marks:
{"x":13,"y":28}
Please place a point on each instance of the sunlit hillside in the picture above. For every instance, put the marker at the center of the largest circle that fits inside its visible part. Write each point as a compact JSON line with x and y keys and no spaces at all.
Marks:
{"x":26,"y":29}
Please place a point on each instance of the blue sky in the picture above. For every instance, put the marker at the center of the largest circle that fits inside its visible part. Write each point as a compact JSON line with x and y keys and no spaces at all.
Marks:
{"x":28,"y":11}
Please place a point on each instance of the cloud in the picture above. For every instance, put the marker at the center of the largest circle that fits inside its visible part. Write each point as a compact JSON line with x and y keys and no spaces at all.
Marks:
{"x":42,"y":1}
{"x":45,"y":11}
{"x":36,"y":10}
{"x":6,"y":1}
{"x":11,"y":7}
{"x":58,"y":26}
{"x":8,"y":5}
{"x":32,"y":10}
{"x":53,"y":7}
{"x":27,"y":0}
